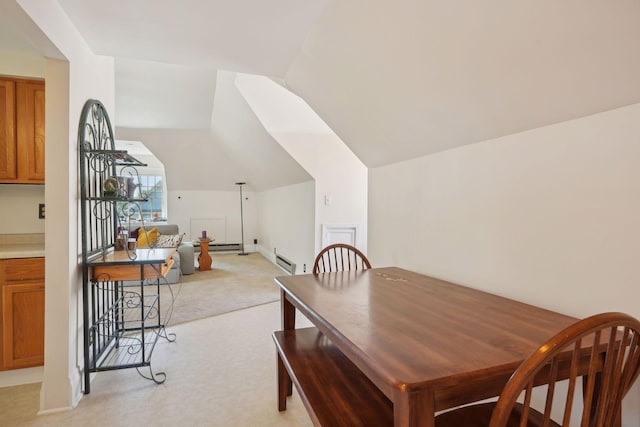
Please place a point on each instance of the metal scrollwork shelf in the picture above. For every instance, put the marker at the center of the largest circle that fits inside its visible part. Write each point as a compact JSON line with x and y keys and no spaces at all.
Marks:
{"x":120,"y":288}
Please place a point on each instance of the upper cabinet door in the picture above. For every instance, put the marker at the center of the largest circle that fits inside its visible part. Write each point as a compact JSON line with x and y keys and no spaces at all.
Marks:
{"x":30,"y":135}
{"x":8,"y":154}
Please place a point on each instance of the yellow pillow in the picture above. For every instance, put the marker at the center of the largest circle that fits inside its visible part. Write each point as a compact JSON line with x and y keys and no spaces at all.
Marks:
{"x":147,"y":238}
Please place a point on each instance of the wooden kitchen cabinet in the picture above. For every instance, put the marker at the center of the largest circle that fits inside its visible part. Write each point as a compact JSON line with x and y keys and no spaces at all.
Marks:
{"x":22,"y":312}
{"x":8,"y":155}
{"x":22,"y":131}
{"x":30,"y":131}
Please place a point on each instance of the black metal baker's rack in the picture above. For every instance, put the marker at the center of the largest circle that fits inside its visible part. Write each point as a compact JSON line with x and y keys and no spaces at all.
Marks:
{"x":121,"y":318}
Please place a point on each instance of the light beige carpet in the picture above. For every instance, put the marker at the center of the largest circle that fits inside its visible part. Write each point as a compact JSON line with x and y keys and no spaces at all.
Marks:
{"x":235,"y":282}
{"x":221,"y":372}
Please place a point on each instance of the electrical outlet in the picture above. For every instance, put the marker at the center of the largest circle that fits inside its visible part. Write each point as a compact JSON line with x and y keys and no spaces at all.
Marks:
{"x":41,"y":210}
{"x":255,"y":241}
{"x":304,"y":268}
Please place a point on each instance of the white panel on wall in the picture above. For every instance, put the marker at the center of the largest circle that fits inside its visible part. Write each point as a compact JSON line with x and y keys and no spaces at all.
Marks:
{"x":216,"y":228}
{"x":341,"y":233}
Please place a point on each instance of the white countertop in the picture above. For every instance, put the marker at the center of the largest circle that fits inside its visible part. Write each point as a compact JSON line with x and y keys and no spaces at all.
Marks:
{"x":21,"y":246}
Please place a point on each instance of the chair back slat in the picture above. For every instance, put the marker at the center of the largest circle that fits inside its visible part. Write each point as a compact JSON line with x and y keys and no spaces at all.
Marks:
{"x":527,"y":404}
{"x":340,"y":257}
{"x":603,"y":349}
{"x":589,"y":412}
{"x":608,"y":379}
{"x":553,"y":377}
{"x":571,"y":389}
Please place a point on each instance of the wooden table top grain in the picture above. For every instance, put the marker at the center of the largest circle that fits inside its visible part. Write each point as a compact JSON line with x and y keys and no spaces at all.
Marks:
{"x":413,"y":334}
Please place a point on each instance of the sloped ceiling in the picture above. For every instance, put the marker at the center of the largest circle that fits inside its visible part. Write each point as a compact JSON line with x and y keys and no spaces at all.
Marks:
{"x":20,"y":35}
{"x":395,"y":80}
{"x":168,"y":57}
{"x":155,"y":95}
{"x":236,"y":148}
{"x":260,"y":37}
{"x":192,"y":159}
{"x":245,"y":140}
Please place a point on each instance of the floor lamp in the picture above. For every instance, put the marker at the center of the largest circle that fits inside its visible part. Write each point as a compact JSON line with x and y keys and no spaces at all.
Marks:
{"x":242,"y":252}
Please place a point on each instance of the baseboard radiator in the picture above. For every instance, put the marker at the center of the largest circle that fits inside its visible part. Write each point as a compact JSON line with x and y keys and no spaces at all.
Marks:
{"x":285,"y":264}
{"x":220,"y":247}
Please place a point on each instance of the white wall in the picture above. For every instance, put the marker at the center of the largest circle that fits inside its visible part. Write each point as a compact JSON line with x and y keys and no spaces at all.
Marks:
{"x":19,"y":208}
{"x":69,"y":85}
{"x":63,"y":314}
{"x":341,"y":180}
{"x":186,"y":205}
{"x":196,"y":170}
{"x":549,"y":216}
{"x":286,"y":224}
{"x":20,"y":64}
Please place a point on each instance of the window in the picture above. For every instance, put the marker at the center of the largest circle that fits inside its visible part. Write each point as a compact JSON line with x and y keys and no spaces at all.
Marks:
{"x":151,"y":188}
{"x":150,"y":183}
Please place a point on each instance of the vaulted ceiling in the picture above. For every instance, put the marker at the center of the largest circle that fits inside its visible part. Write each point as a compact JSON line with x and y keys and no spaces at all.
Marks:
{"x":395,"y":80}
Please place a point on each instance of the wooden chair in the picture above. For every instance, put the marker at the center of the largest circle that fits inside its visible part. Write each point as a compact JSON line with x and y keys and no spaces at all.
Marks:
{"x":604,"y":349}
{"x":340,"y":257}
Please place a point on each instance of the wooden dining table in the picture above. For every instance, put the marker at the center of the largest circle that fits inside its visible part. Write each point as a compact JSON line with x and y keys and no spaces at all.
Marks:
{"x":422,"y":344}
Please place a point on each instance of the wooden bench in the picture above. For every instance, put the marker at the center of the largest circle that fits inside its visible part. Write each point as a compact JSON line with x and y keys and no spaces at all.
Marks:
{"x":334,"y":391}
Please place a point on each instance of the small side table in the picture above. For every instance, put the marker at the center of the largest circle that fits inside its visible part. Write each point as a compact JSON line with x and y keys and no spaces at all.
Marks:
{"x":204,"y":259}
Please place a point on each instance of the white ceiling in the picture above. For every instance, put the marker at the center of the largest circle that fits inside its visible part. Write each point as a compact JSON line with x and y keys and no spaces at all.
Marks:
{"x":260,"y":37}
{"x":398,"y":80}
{"x":154,"y":95}
{"x":167,"y":52}
{"x":395,"y":80}
{"x":168,"y":57}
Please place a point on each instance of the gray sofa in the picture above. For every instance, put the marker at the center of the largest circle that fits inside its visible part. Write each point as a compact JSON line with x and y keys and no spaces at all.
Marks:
{"x":184,"y":262}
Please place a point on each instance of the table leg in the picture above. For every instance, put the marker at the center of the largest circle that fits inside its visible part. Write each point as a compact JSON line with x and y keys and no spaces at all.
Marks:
{"x":284,"y":385}
{"x":413,"y":409}
{"x":288,"y":312}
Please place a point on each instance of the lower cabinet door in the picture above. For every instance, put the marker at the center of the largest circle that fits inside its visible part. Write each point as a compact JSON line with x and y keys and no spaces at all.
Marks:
{"x":23,"y":324}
